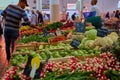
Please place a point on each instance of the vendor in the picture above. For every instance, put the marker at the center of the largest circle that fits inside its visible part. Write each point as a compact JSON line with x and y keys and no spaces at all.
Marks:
{"x":95,"y":7}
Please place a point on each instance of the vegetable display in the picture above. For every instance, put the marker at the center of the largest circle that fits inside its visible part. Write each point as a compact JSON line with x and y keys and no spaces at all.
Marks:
{"x":104,"y":67}
{"x":31,"y":38}
{"x":116,"y":49}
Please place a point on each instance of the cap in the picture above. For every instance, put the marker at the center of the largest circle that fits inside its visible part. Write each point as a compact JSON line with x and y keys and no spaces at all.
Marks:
{"x":25,"y":1}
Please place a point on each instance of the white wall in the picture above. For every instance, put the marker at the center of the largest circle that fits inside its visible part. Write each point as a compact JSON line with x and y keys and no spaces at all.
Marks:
{"x":104,"y":5}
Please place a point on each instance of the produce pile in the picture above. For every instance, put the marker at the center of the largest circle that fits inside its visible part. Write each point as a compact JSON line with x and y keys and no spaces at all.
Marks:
{"x":35,"y":38}
{"x":27,"y":30}
{"x":59,"y":50}
{"x":116,"y":49}
{"x":92,"y":41}
{"x":52,"y":27}
{"x":105,"y":67}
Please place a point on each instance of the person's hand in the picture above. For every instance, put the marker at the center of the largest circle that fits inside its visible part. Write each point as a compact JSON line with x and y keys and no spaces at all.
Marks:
{"x":26,"y":23}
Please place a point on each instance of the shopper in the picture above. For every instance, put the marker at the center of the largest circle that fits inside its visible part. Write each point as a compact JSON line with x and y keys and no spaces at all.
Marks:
{"x":73,"y":16}
{"x":117,"y":14}
{"x":107,"y":16}
{"x":40,"y":17}
{"x":45,"y":17}
{"x":113,"y":14}
{"x":33,"y":18}
{"x":95,"y":7}
{"x":67,"y":16}
{"x":13,"y":15}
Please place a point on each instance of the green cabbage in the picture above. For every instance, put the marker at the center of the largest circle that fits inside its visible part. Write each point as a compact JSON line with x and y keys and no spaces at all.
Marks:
{"x":91,"y":34}
{"x":84,"y":40}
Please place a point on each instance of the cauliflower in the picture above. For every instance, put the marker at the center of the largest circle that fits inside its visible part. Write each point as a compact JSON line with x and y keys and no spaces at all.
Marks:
{"x":106,"y":41}
{"x":113,"y":36}
{"x":89,"y":44}
{"x":98,"y":41}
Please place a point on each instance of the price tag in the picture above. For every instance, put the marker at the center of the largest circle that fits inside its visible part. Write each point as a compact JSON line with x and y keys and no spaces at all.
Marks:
{"x":45,"y":33}
{"x":34,"y":67}
{"x":75,"y":43}
{"x":35,"y":63}
{"x":35,"y":60}
{"x":80,"y":27}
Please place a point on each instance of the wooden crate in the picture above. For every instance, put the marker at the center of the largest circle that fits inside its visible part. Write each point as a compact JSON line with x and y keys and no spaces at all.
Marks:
{"x":28,"y":46}
{"x":63,"y":59}
{"x":56,"y":39}
{"x":83,"y":58}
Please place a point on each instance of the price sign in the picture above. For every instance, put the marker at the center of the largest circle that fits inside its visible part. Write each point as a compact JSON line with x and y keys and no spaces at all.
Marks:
{"x":35,"y":63}
{"x":75,"y":43}
{"x":34,"y":67}
{"x":45,"y":33}
{"x":80,"y":27}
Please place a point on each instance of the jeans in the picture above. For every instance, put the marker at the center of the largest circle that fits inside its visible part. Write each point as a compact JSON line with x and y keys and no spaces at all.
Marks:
{"x":10,"y":36}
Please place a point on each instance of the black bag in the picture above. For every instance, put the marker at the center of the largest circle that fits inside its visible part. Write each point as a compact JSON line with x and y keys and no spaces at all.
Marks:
{"x":1,"y":30}
{"x":102,"y":32}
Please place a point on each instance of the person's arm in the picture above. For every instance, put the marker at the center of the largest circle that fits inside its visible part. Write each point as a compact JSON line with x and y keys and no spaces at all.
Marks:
{"x":4,"y":13}
{"x":3,"y":16}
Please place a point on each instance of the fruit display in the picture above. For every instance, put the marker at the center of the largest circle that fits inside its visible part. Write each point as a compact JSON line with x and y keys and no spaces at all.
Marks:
{"x":51,"y":28}
{"x":30,"y":31}
{"x":56,"y":39}
{"x":24,"y":28}
{"x":110,"y":23}
{"x":96,"y":58}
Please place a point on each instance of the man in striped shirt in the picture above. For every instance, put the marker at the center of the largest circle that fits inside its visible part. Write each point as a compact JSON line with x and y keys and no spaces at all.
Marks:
{"x":13,"y":15}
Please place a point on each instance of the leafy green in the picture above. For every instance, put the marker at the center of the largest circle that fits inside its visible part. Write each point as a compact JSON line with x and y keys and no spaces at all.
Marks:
{"x":91,"y":34}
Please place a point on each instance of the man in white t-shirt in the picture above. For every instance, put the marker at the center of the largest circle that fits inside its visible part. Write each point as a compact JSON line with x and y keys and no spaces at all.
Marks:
{"x":33,"y":18}
{"x":95,"y":7}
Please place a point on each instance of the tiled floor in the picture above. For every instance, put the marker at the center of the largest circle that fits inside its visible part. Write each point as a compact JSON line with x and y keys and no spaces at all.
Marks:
{"x":2,"y":56}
